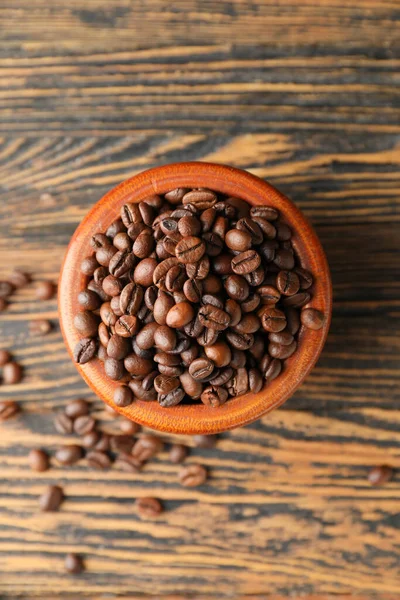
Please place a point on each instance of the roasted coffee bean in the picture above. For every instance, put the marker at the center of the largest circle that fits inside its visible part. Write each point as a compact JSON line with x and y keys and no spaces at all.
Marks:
{"x":148,"y":354}
{"x":40,"y":327}
{"x":293,"y":320}
{"x":284,"y":259}
{"x":193,"y":288}
{"x":270,"y":367}
{"x":146,"y":447}
{"x":169,"y":227}
{"x":161,"y":271}
{"x":118,"y":347}
{"x":45,"y":290}
{"x":123,"y":242}
{"x":165,"y":338}
{"x":182,"y":343}
{"x":12,"y":373}
{"x":283,"y":232}
{"x":5,"y":357}
{"x":219,"y":353}
{"x":284,"y":337}
{"x":63,"y":424}
{"x":105,"y":254}
{"x":245,"y":262}
{"x":148,"y":381}
{"x":201,"y":199}
{"x":114,"y":369}
{"x":90,"y":439}
{"x":238,"y":240}
{"x":38,"y":460}
{"x":268,"y":250}
{"x":131,"y":299}
{"x":129,"y":427}
{"x":6,"y":289}
{"x":201,"y":368}
{"x":272,"y":319}
{"x":169,"y":246}
{"x":233,"y":309}
{"x":121,"y":443}
{"x":150,"y":296}
{"x":192,"y":476}
{"x":222,"y":264}
{"x":172,"y":398}
{"x":190,"y":249}
{"x":98,"y":289}
{"x":249,"y":323}
{"x":145,"y":337}
{"x":178,"y":453}
{"x":250,"y":304}
{"x":228,"y":210}
{"x":68,"y":455}
{"x":137,"y":365}
{"x":165,"y":385}
{"x":198,"y":270}
{"x":213,"y":317}
{"x":85,"y":350}
{"x":73,"y":564}
{"x":242,"y":208}
{"x":89,"y":300}
{"x":252,"y":228}
{"x":130,"y":213}
{"x":19,"y":278}
{"x":77,"y":408}
{"x":205,"y":441}
{"x":127,"y":463}
{"x":222,"y":377}
{"x":148,"y":508}
{"x":155,"y":201}
{"x":170,"y":360}
{"x":89,"y":265}
{"x":175,"y":278}
{"x":191,"y":386}
{"x":268,"y":230}
{"x":146,"y":212}
{"x":126,"y":326}
{"x":180,"y":315}
{"x":287,"y":283}
{"x":297,"y":301}
{"x":240,"y":383}
{"x":115,"y":306}
{"x":194,"y":328}
{"x":305,"y":277}
{"x":135,"y":229}
{"x":212,"y":285}
{"x":256,"y":277}
{"x":122,"y":262}
{"x":170,"y":371}
{"x":86,"y":323}
{"x":266,"y":212}
{"x":214,"y":243}
{"x":179,"y":296}
{"x":312,"y":318}
{"x":112,"y":285}
{"x":99,"y":240}
{"x":213,"y":300}
{"x":238,"y":358}
{"x":380,"y":475}
{"x":176,"y":196}
{"x":98,"y":460}
{"x":269,"y":295}
{"x":123,"y":396}
{"x":99,"y":275}
{"x":255,"y":381}
{"x":207,"y":218}
{"x":189,"y":355}
{"x":144,"y":271}
{"x":207,"y":337}
{"x":51,"y":499}
{"x":145,"y":315}
{"x":240,"y":341}
{"x":8,"y":409}
{"x":189,"y":226}
{"x":115,"y":227}
{"x":282,"y":351}
{"x":214,"y":396}
{"x":236,"y":287}
{"x":84,"y":424}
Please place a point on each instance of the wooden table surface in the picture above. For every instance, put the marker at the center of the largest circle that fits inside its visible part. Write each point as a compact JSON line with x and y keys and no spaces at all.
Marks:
{"x":303,"y":94}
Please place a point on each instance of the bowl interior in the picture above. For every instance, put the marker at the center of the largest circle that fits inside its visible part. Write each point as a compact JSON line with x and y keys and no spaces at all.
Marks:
{"x":197,"y":418}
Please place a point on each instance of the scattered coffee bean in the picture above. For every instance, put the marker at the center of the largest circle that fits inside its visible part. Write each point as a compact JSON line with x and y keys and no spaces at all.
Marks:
{"x":205,"y":441}
{"x":123,"y":396}
{"x":90,"y":439}
{"x":312,"y":318}
{"x":77,"y":408}
{"x":40,"y":327}
{"x":98,"y":460}
{"x":127,"y":463}
{"x":5,"y":357}
{"x":178,"y":453}
{"x":38,"y":460}
{"x":6,"y":289}
{"x":129,"y":427}
{"x":146,"y":447}
{"x":192,"y":476}
{"x":84,"y":424}
{"x":121,"y":443}
{"x":73,"y":564}
{"x":63,"y":424}
{"x":12,"y":373}
{"x":51,"y":499}
{"x":8,"y":409}
{"x":68,"y":455}
{"x":19,"y":278}
{"x":380,"y":475}
{"x":45,"y":290}
{"x":148,"y":508}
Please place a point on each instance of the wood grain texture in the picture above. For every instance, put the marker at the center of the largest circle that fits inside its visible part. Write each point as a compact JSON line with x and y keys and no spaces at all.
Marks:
{"x":302,"y":94}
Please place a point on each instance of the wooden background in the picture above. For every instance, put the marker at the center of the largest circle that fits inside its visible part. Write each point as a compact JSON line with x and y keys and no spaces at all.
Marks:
{"x":305,"y":95}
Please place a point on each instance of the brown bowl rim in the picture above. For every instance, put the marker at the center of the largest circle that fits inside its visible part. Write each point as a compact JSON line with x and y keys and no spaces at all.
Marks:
{"x":197,"y":418}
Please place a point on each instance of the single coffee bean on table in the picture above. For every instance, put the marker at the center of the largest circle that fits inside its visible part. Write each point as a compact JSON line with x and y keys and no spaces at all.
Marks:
{"x":51,"y":499}
{"x":73,"y":564}
{"x":38,"y":460}
{"x":191,"y":297}
{"x":8,"y":409}
{"x":148,"y":508}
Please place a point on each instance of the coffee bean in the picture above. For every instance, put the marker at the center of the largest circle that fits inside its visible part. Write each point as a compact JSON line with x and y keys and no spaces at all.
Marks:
{"x":121,"y":262}
{"x":19,"y":278}
{"x":207,"y":337}
{"x":249,"y":323}
{"x":305,"y":277}
{"x":178,"y":453}
{"x":240,"y":382}
{"x":297,"y":300}
{"x":380,"y":475}
{"x":269,"y":295}
{"x":63,"y":424}
{"x":283,"y":337}
{"x":86,"y":323}
{"x":77,"y":408}
{"x":214,"y":396}
{"x":201,"y":199}
{"x":180,"y":315}
{"x":205,"y":441}
{"x":105,"y":254}
{"x":272,"y":319}
{"x":161,"y":271}
{"x":222,"y":377}
{"x":268,"y":230}
{"x":283,"y":232}
{"x":129,"y":427}
{"x":121,"y":443}
{"x":189,"y":226}
{"x":233,"y":309}
{"x":145,"y":337}
{"x":214,"y":243}
{"x":6,"y":289}
{"x":172,"y":398}
{"x":255,"y":381}
{"x":44,"y":290}
{"x":266,"y":212}
{"x":312,"y":318}
{"x":89,"y":265}
{"x":188,"y":356}
{"x":213,"y":317}
{"x":122,"y":241}
{"x":212,"y":284}
{"x":73,"y":564}
{"x":148,"y":508}
{"x":146,"y":447}
{"x":190,"y":249}
{"x":222,"y":264}
{"x":245,"y":262}
{"x":191,"y":386}
{"x":127,"y":463}
{"x":144,"y":272}
{"x":69,"y":455}
{"x":126,"y":326}
{"x":282,"y":351}
{"x":193,"y":289}
{"x":99,"y":240}
{"x":165,"y":338}
{"x":38,"y":460}
{"x":112,"y":285}
{"x":89,"y":300}
{"x":198,"y":270}
{"x":130,"y":213}
{"x":257,"y":349}
{"x":123,"y":396}
{"x":5,"y":357}
{"x":98,"y":460}
{"x":8,"y":409}
{"x":12,"y":373}
{"x":115,"y":227}
{"x":240,"y":341}
{"x":170,"y":360}
{"x":131,"y":299}
{"x":114,"y":369}
{"x":39,"y":327}
{"x":228,"y":210}
{"x":238,"y":240}
{"x":137,"y":365}
{"x":270,"y":368}
{"x":51,"y":499}
{"x":148,"y":381}
{"x":140,"y":392}
{"x":201,"y":368}
{"x":219,"y":353}
{"x":175,"y":278}
{"x":239,"y":358}
{"x":85,"y":350}
{"x":118,"y":347}
{"x":165,"y":385}
{"x":192,"y":476}
{"x":176,"y":196}
{"x":147,"y":354}
{"x":287,"y":283}
{"x":84,"y":424}
{"x":143,"y":245}
{"x":90,"y":439}
{"x":236,"y":287}
{"x":98,"y":289}
{"x":252,"y":228}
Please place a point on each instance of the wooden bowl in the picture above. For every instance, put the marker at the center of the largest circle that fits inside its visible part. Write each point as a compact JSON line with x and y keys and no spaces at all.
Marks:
{"x":197,"y":418}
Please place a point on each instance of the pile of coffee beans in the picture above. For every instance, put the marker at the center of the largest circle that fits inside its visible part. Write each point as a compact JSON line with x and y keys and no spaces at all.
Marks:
{"x":193,"y":296}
